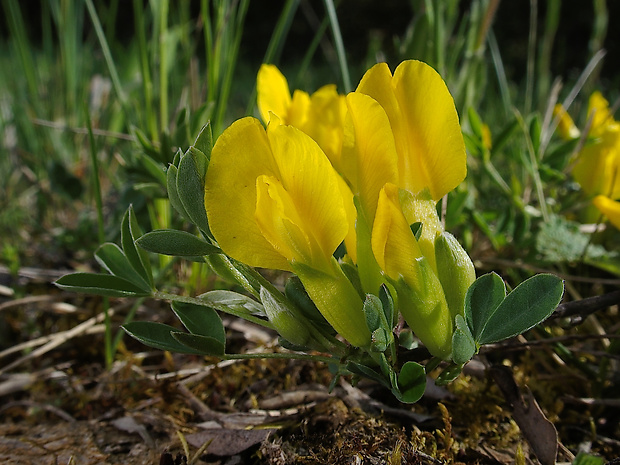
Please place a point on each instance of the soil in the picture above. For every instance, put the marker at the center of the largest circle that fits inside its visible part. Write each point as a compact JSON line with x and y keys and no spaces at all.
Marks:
{"x":60,"y":404}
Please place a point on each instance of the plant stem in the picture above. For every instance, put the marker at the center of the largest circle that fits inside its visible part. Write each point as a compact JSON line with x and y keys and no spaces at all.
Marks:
{"x":342,"y":59}
{"x":280,"y":355}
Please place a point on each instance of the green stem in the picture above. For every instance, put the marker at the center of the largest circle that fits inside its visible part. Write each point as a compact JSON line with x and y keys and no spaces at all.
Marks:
{"x":147,"y":82}
{"x":342,"y":59}
{"x":163,"y":65}
{"x":116,"y":82}
{"x":279,"y":355}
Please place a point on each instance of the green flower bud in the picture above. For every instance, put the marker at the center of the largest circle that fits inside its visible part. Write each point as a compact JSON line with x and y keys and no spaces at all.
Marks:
{"x":292,"y":327}
{"x":424,"y":307}
{"x":455,"y":271}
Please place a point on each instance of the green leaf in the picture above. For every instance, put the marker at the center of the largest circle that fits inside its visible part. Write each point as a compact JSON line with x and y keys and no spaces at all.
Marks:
{"x":146,"y":144}
{"x":190,"y":187}
{"x":366,"y":372}
{"x":296,"y":293}
{"x":200,"y":320}
{"x":530,"y":303}
{"x":449,"y":374}
{"x":111,"y":257}
{"x":229,"y":300}
{"x":101,"y":284}
{"x":203,"y":345}
{"x":504,"y":136}
{"x":535,"y":130}
{"x":587,"y":459}
{"x":379,"y":341}
{"x":154,"y":168}
{"x":373,"y":311}
{"x":483,"y":297}
{"x":138,"y":258}
{"x":173,"y":193}
{"x":174,"y":242}
{"x":411,"y":383}
{"x":388,"y":305}
{"x":463,"y":344}
{"x":157,"y":335}
{"x":293,"y":327}
{"x":475,"y":122}
{"x":204,"y":141}
{"x":381,"y":331}
{"x":416,"y":229}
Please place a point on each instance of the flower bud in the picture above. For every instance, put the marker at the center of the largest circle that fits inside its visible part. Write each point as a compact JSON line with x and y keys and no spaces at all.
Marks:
{"x":424,"y":307}
{"x":455,"y":271}
{"x":292,"y":327}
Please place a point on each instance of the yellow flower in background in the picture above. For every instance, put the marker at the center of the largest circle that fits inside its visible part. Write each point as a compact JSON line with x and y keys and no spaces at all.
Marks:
{"x":320,"y":115}
{"x":608,"y":207}
{"x":566,"y":126}
{"x":597,"y":163}
{"x":597,"y":169}
{"x":274,"y":201}
{"x":424,"y":123}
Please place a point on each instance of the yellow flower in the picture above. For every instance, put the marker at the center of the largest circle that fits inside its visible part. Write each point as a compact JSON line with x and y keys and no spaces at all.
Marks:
{"x":598,"y":162}
{"x":420,"y":294}
{"x":404,"y":130}
{"x":320,"y":115}
{"x":566,"y":126}
{"x":273,"y":200}
{"x":424,"y":123}
{"x":610,"y":208}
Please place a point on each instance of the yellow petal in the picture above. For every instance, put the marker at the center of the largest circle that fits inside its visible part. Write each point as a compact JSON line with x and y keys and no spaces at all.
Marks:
{"x":596,"y":169}
{"x":369,"y":159}
{"x":273,"y":94}
{"x":325,"y":121}
{"x":350,"y":239}
{"x":279,"y":221}
{"x":312,"y":183}
{"x":598,"y":110}
{"x":566,"y":126}
{"x":434,"y":139}
{"x":240,"y":155}
{"x":608,"y":207}
{"x":431,"y":151}
{"x":393,"y":243}
{"x":421,"y":208}
{"x":298,"y":111}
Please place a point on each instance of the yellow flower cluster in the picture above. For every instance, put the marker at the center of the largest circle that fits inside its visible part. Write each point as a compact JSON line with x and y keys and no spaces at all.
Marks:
{"x":597,"y":168}
{"x":366,"y":169}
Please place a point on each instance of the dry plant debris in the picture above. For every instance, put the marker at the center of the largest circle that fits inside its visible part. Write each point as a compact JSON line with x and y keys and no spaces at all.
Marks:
{"x":61,"y":405}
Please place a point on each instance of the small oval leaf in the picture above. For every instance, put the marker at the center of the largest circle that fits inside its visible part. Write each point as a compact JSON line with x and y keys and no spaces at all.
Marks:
{"x":173,"y":193}
{"x":204,"y":141}
{"x":190,"y":187}
{"x":138,"y":258}
{"x":202,"y":344}
{"x":463,"y":344}
{"x":411,"y":383}
{"x":530,"y":303}
{"x":157,"y":335}
{"x":178,"y":243}
{"x":111,"y":257}
{"x":200,"y":320}
{"x":101,"y":284}
{"x":228,"y":301}
{"x":482,"y":299}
